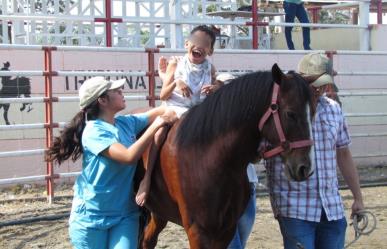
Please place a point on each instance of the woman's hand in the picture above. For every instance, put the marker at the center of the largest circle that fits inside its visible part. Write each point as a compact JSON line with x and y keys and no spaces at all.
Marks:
{"x":169,"y":116}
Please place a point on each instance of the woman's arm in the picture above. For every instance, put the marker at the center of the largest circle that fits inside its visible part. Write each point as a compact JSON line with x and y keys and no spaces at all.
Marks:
{"x":120,"y":153}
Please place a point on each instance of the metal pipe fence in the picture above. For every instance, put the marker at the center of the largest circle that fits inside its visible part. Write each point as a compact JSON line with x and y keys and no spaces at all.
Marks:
{"x":50,"y":74}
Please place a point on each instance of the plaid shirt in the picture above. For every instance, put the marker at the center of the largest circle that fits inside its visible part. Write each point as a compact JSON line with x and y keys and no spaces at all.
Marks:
{"x":305,"y":200}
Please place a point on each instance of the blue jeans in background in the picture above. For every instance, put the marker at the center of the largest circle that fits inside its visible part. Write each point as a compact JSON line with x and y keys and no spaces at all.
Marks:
{"x":313,"y":235}
{"x":245,"y":223}
{"x":293,"y":10}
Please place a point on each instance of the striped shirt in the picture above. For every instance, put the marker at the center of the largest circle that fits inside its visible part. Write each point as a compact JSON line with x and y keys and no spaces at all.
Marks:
{"x":305,"y":200}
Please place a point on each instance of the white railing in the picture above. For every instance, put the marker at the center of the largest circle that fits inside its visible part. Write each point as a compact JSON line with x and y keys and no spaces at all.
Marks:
{"x":40,"y":151}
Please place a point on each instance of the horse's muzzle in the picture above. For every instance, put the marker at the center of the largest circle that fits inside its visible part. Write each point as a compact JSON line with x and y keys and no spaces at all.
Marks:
{"x":301,"y":173}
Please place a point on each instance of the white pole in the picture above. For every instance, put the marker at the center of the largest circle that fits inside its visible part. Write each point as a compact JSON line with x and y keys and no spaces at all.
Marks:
{"x":175,"y":10}
{"x":364,"y":34}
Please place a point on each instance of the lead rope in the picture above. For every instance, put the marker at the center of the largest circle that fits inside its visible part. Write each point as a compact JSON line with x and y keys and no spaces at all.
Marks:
{"x":364,"y":223}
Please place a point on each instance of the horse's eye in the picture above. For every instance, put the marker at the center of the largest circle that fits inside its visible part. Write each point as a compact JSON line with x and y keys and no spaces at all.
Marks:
{"x":292,"y":116}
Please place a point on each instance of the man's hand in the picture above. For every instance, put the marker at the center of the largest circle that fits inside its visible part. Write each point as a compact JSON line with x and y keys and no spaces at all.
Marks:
{"x":357,"y":206}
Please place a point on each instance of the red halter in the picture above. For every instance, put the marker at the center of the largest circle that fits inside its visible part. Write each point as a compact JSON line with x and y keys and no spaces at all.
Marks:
{"x":284,"y":144}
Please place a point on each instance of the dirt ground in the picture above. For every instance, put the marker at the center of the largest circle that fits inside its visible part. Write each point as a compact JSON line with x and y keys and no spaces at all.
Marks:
{"x":53,"y":234}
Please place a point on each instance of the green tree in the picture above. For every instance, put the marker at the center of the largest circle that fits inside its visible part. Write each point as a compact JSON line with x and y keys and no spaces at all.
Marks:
{"x":145,"y":36}
{"x":335,"y":16}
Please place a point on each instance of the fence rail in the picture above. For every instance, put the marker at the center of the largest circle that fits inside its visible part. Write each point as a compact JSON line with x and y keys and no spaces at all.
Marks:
{"x":48,"y":99}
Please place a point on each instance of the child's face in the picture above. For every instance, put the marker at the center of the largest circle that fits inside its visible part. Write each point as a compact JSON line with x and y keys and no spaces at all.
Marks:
{"x":198,"y":47}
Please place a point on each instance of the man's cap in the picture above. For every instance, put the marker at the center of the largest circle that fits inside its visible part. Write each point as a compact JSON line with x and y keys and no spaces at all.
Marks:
{"x":94,"y":87}
{"x":225,"y":77}
{"x":317,"y":64}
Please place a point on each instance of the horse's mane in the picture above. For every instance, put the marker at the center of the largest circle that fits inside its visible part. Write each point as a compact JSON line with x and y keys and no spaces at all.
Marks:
{"x":231,"y":107}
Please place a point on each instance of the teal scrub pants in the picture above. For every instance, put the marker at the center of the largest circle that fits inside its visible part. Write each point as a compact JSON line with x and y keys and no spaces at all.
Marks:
{"x":123,"y":235}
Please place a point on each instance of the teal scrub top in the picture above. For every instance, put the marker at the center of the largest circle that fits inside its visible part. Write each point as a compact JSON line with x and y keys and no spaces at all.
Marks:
{"x":294,"y":1}
{"x":103,"y":193}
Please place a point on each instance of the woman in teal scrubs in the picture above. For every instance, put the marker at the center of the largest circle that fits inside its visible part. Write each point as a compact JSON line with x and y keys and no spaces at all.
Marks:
{"x":104,"y":213}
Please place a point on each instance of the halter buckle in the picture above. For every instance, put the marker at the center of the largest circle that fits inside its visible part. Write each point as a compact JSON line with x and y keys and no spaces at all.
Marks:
{"x":285,"y":145}
{"x":274,"y":107}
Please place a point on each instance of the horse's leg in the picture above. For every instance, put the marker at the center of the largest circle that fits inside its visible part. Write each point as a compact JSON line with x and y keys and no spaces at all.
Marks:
{"x":200,"y":239}
{"x":152,"y":231}
{"x":23,"y":107}
{"x":5,"y":114}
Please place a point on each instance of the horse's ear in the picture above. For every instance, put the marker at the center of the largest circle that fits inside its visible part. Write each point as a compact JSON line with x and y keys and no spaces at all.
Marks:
{"x":277,"y":74}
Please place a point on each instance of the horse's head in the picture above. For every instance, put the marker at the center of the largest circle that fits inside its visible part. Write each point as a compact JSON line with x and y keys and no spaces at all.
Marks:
{"x":6,"y":66}
{"x":287,"y":124}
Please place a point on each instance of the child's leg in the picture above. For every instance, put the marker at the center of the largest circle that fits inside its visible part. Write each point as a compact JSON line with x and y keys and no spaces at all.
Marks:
{"x":144,"y":188}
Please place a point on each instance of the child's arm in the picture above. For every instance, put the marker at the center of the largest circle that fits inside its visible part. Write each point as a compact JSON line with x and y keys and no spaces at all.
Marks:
{"x":168,"y":80}
{"x":183,"y":87}
{"x":213,"y":75}
{"x":215,"y":84}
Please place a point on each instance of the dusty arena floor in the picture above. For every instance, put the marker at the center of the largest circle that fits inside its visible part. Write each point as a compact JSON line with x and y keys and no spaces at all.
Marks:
{"x":53,"y":234}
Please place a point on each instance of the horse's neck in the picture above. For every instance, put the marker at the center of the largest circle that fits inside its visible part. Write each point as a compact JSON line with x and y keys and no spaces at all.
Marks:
{"x":238,"y":145}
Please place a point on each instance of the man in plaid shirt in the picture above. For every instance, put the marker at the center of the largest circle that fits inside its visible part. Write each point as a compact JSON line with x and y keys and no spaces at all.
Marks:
{"x":311,"y":213}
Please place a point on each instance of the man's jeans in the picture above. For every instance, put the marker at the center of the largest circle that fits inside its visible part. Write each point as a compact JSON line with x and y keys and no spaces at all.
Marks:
{"x":245,"y":223}
{"x":325,"y":234}
{"x":293,"y":10}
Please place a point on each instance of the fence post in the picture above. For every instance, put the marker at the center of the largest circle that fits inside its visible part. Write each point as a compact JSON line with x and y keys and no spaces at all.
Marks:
{"x":255,"y":23}
{"x":108,"y":20}
{"x":379,"y":7}
{"x":48,"y":73}
{"x":364,"y":34}
{"x":151,"y":75}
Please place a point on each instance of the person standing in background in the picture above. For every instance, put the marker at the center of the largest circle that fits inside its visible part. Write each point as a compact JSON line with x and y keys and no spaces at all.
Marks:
{"x":295,"y":8}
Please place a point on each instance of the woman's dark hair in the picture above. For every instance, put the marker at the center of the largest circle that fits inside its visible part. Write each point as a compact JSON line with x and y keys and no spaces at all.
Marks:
{"x":69,"y":142}
{"x":207,"y":30}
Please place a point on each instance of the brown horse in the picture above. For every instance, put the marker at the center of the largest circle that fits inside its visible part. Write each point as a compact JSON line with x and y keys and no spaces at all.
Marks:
{"x":200,"y":180}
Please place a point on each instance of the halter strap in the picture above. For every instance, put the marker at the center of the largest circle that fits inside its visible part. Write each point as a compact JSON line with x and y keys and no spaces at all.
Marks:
{"x":284,"y":144}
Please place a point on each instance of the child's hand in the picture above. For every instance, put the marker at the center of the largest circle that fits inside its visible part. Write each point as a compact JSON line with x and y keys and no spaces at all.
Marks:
{"x":162,"y":67}
{"x":184,"y":88}
{"x":208,"y":89}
